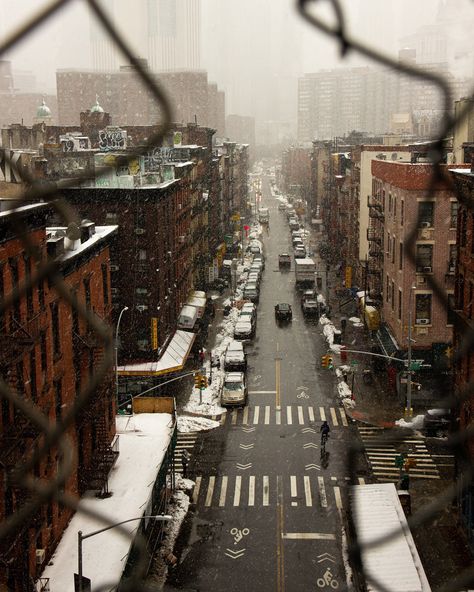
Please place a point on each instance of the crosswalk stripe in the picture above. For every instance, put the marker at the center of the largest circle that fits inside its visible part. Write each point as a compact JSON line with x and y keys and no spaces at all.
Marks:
{"x":361,"y":481}
{"x":266,"y":491}
{"x":256,"y":414}
{"x":234,"y":416}
{"x":210,"y":491}
{"x":278,"y":417}
{"x":197,"y":487}
{"x":322,"y":414}
{"x":223,"y":491}
{"x":267,"y":414}
{"x":333,"y":416}
{"x":223,"y":418}
{"x":307,"y":491}
{"x":311,"y":413}
{"x":289,"y":415}
{"x":252,"y":490}
{"x":300,"y":415}
{"x":245,"y":418}
{"x":238,"y":486}
{"x":322,"y":492}
{"x":337,"y":495}
{"x":343,"y":415}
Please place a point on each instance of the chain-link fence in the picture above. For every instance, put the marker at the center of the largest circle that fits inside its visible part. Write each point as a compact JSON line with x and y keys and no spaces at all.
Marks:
{"x":55,"y":433}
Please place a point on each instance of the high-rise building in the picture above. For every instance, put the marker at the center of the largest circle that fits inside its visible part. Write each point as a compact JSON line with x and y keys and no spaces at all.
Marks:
{"x":165,"y":32}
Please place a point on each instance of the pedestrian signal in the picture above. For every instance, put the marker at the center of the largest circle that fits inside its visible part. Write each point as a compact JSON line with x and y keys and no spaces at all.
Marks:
{"x":197,"y":380}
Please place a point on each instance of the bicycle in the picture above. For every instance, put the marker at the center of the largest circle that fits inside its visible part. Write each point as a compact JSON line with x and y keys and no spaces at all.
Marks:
{"x":324,"y":439}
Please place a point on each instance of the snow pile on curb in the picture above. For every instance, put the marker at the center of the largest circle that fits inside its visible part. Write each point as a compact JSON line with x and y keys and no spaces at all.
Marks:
{"x":328,"y":331}
{"x":356,"y":321}
{"x":188,"y":423}
{"x":415,"y":424}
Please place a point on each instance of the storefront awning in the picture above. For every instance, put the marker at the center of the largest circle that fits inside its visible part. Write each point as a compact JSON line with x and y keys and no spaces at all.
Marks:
{"x":386,"y":341}
{"x":172,"y":360}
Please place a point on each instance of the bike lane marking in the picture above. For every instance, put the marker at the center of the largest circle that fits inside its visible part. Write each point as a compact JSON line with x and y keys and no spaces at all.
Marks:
{"x":307,"y":491}
{"x":322,"y":492}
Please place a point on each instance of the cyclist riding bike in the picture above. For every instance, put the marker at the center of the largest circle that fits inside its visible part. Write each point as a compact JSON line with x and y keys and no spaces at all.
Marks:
{"x":324,"y":430}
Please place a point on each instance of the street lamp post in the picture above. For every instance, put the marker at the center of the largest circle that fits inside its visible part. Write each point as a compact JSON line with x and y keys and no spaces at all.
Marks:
{"x":116,"y":351}
{"x":81,"y":537}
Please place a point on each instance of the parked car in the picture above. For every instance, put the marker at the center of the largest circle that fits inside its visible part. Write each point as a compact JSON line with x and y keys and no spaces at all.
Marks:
{"x":300,"y":253}
{"x":259,"y":258}
{"x":253,"y":278}
{"x":243,"y":329}
{"x":294,"y":224}
{"x":235,"y":358}
{"x":249,"y":310}
{"x":234,"y":389}
{"x":251,"y":294}
{"x":283,"y":312}
{"x":284,"y":260}
{"x":282,"y":206}
{"x":437,"y":422}
{"x":310,"y":307}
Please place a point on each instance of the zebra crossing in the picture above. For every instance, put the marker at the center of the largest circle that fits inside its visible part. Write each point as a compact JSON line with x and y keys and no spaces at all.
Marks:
{"x":220,"y":491}
{"x":185,"y":441}
{"x":381,"y":455}
{"x":286,"y":415}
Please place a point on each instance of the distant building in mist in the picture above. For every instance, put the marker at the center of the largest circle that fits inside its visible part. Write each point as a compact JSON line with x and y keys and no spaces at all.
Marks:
{"x":165,"y":32}
{"x":241,"y":129}
{"x":129,"y":102}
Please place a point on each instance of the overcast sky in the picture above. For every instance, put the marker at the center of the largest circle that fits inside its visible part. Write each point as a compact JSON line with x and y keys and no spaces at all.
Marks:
{"x":248,"y":46}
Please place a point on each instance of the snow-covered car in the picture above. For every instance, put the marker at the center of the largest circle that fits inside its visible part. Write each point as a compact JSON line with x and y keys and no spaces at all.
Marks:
{"x":234,"y":389}
{"x":284,"y":260}
{"x":259,"y":258}
{"x":249,"y":311}
{"x":253,"y":278}
{"x":235,"y":358}
{"x":310,"y":307}
{"x":300,"y":253}
{"x":243,"y":329}
{"x":251,"y":293}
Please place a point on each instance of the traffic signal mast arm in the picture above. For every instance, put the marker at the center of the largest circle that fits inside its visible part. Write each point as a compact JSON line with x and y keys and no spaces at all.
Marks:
{"x":355,"y":351}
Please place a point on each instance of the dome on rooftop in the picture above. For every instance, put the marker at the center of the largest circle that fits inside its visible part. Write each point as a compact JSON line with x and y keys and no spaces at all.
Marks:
{"x":96,"y":108}
{"x":43,"y":110}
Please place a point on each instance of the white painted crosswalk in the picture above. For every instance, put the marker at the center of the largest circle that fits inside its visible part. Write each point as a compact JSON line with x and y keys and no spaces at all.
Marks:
{"x":381,"y":455}
{"x":185,"y":441}
{"x":263,"y":491}
{"x":287,"y":415}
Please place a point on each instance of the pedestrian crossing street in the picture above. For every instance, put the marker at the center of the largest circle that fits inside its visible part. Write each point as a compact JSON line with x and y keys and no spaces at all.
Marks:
{"x":185,"y":441}
{"x":286,"y":415}
{"x":220,"y":491}
{"x":381,"y":455}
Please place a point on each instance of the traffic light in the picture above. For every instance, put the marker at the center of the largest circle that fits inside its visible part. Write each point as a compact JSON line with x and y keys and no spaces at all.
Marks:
{"x":203,"y":381}
{"x":197,"y":380}
{"x":324,"y":361}
{"x":329,"y":364}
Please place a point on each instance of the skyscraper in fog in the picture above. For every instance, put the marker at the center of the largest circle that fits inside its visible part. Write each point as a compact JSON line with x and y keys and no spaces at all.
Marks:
{"x":165,"y":32}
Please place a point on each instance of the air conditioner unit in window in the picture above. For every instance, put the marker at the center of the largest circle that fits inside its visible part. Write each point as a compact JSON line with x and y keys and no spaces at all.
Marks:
{"x":40,"y":556}
{"x":427,"y":269}
{"x":422,"y":321}
{"x":139,"y":231}
{"x":114,"y":268}
{"x":114,"y":291}
{"x":141,"y":307}
{"x":182,"y":238}
{"x":425,"y":224}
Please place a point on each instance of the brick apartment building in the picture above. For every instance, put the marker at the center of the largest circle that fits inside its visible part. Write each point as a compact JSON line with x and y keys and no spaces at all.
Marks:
{"x":414,"y":232}
{"x":48,"y":353}
{"x":463,"y":335}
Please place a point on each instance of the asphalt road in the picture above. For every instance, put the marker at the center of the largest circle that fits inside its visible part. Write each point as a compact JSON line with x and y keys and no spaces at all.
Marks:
{"x":267,"y":504}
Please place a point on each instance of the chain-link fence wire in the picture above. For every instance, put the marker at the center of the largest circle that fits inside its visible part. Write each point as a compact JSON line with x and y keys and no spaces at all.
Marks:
{"x":338,"y":29}
{"x":55,"y":433}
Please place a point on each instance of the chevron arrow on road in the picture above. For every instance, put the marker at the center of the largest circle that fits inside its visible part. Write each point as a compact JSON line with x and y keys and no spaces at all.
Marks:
{"x":308,"y":430}
{"x":326,"y":557}
{"x":246,"y":446}
{"x":312,"y":466}
{"x":248,"y":429}
{"x":310,"y":445}
{"x":234,"y":554}
{"x":244,"y":467}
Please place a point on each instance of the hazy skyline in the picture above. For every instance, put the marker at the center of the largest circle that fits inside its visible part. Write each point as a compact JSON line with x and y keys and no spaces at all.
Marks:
{"x":253,"y":49}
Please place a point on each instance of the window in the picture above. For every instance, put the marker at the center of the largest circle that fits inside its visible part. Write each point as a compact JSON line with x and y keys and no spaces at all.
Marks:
{"x":423,"y":309}
{"x":469,"y":302}
{"x":14,"y":273}
{"x":424,"y":258}
{"x":33,"y":386}
{"x":58,"y":398}
{"x":400,"y":302}
{"x":393,"y":295}
{"x":451,"y":315}
{"x":2,"y":295}
{"x":29,"y":291}
{"x":142,"y":254}
{"x":55,"y":328}
{"x":393,"y":249}
{"x":402,"y":212}
{"x":44,"y":352}
{"x":453,"y":255}
{"x":87,"y":292}
{"x":400,"y":255}
{"x":472,"y":234}
{"x":388,"y":289}
{"x":453,"y":222}
{"x":463,"y":230}
{"x":394,"y":207}
{"x":426,"y":213}
{"x":111,"y":218}
{"x":105,"y":282}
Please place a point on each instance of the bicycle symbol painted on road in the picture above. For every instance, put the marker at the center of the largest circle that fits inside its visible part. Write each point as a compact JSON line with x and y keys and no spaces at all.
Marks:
{"x":239,"y":534}
{"x":328,"y":580}
{"x":303,"y":394}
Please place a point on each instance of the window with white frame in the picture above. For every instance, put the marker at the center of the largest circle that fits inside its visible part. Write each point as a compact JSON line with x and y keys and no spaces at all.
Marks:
{"x":423,"y":309}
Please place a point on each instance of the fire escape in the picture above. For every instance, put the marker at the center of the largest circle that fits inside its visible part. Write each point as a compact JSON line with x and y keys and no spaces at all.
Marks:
{"x":18,"y":438}
{"x":375,"y":240}
{"x":93,"y":471}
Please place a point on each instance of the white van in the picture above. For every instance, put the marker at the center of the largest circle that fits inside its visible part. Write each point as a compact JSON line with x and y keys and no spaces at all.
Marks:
{"x":187,"y":318}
